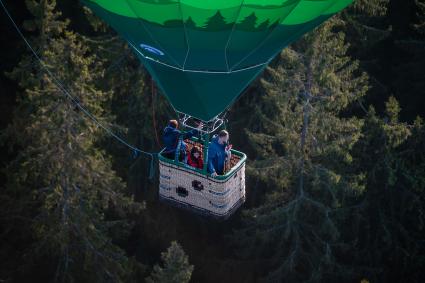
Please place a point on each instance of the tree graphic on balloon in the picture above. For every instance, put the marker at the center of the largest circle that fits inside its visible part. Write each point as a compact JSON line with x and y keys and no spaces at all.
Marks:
{"x":217,"y":23}
{"x":248,"y":23}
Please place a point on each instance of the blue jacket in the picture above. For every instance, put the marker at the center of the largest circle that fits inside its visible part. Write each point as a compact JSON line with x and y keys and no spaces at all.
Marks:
{"x":216,"y":156}
{"x":170,"y":137}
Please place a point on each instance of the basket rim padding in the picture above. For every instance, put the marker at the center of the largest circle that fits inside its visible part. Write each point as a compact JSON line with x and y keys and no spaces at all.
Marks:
{"x":199,"y":172}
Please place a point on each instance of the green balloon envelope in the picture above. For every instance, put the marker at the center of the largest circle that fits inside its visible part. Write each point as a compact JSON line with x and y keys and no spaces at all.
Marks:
{"x":204,"y":53}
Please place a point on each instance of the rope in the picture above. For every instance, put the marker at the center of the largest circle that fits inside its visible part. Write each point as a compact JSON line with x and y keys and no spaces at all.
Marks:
{"x":231,"y":34}
{"x":154,"y":95}
{"x":74,"y":100}
{"x":194,"y":70}
{"x":185,"y":34}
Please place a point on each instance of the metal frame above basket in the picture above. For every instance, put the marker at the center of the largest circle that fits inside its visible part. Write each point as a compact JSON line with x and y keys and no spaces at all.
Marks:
{"x":208,"y":127}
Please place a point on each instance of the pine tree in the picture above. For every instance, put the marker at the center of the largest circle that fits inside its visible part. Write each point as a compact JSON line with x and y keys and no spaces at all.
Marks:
{"x":366,"y":24}
{"x":392,"y":109}
{"x":372,"y":7}
{"x":419,"y":26}
{"x":301,"y":147}
{"x":405,"y":77}
{"x":139,"y":107}
{"x":382,"y":35}
{"x":385,"y":225}
{"x":59,"y":174}
{"x":176,"y":268}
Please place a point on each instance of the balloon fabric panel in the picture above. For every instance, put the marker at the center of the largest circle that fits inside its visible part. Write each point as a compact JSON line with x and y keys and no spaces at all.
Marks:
{"x":204,"y":53}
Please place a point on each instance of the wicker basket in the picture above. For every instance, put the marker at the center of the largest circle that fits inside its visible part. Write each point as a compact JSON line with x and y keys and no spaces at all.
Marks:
{"x":187,"y":187}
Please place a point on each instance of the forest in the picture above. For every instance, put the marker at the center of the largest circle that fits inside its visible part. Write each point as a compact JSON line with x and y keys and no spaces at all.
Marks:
{"x":335,"y":175}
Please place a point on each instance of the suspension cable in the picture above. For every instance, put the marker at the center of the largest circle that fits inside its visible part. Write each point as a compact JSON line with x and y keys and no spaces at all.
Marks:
{"x":76,"y":102}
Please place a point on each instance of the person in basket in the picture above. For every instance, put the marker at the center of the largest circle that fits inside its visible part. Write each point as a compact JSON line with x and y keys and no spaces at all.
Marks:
{"x":195,"y":158}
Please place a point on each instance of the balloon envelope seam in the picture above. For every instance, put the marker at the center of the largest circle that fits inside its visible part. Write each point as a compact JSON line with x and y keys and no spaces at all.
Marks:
{"x":195,"y":71}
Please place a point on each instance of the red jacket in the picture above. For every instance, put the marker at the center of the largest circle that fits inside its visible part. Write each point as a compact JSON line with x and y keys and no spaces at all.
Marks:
{"x":197,"y":163}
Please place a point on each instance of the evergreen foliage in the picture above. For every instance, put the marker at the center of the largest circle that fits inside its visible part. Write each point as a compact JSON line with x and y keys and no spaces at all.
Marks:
{"x":372,"y":7}
{"x":419,"y":24}
{"x":335,"y":189}
{"x":384,"y":216}
{"x":301,"y":147}
{"x":175,"y":269}
{"x":63,"y":182}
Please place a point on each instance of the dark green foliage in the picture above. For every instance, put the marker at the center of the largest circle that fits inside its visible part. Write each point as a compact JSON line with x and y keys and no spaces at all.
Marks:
{"x":386,"y":37}
{"x":59,"y":176}
{"x":419,"y":25}
{"x":390,"y":215}
{"x":302,"y":150}
{"x":335,"y":192}
{"x":175,"y":269}
{"x":372,"y":7}
{"x":316,"y":185}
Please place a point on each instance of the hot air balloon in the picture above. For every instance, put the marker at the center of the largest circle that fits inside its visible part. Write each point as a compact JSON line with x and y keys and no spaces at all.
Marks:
{"x":203,"y":54}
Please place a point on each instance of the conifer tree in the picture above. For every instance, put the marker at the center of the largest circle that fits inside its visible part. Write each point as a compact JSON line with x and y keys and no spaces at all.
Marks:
{"x":301,"y":147}
{"x":366,"y":24}
{"x":175,"y":269}
{"x":140,"y":109}
{"x":419,"y":26}
{"x":372,"y":7}
{"x":385,"y":224}
{"x":59,"y":174}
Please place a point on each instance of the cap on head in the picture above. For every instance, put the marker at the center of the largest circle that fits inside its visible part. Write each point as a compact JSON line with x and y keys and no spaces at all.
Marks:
{"x":173,"y":123}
